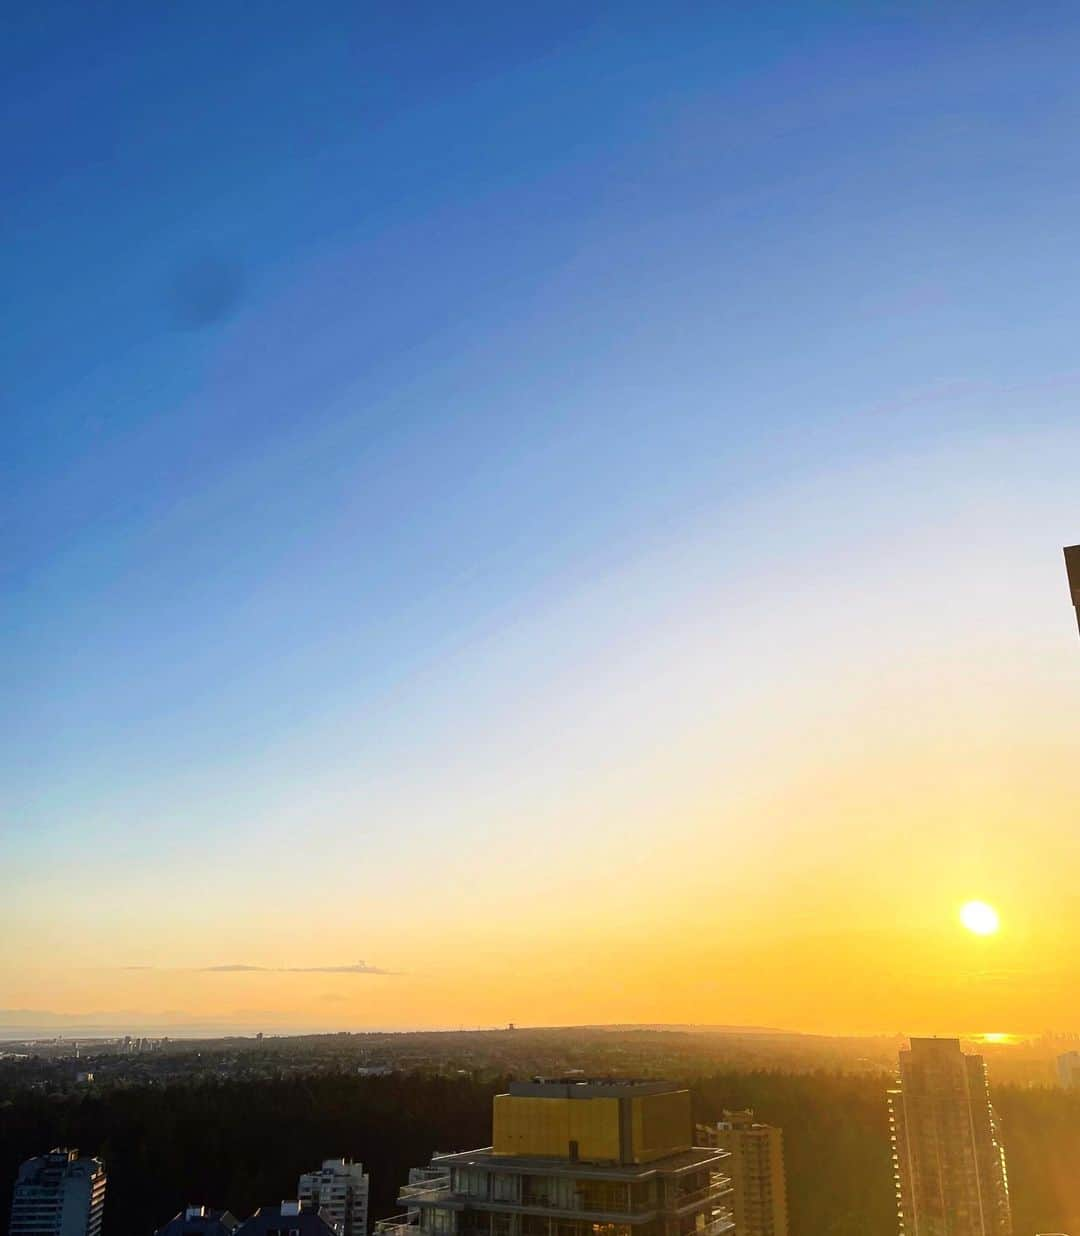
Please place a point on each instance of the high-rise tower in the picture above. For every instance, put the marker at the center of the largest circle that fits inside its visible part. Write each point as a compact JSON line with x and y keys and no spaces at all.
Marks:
{"x":757,"y":1170}
{"x":948,"y":1164}
{"x":58,"y":1194}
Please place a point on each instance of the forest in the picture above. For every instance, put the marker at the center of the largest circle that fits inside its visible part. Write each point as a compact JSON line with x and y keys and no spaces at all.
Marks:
{"x":244,"y":1143}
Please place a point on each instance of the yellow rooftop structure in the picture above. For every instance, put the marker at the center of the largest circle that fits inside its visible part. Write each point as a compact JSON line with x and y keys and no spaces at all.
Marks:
{"x":592,"y":1121}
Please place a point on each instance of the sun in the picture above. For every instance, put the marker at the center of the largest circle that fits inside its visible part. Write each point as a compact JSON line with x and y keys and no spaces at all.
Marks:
{"x":979,"y":917}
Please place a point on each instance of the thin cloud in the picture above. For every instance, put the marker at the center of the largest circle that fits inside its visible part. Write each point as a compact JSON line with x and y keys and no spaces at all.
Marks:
{"x":239,"y":967}
{"x":360,"y":967}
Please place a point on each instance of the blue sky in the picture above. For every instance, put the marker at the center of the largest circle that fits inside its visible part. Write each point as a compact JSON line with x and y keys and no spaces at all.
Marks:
{"x":340,"y":345}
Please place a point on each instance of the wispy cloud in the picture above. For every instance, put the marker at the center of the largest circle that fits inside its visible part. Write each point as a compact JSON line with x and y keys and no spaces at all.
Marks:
{"x":359,"y":967}
{"x":238,"y":967}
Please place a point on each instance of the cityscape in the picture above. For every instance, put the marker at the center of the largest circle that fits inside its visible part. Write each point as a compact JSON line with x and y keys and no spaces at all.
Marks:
{"x":576,"y":1152}
{"x":539,"y":679}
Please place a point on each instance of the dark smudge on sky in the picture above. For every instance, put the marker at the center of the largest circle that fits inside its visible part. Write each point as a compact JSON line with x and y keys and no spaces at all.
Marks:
{"x":206,"y":291}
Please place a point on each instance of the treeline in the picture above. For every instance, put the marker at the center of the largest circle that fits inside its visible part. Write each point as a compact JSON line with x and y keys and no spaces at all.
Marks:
{"x":837,"y":1151}
{"x":244,"y":1143}
{"x":1040,"y":1130}
{"x":836,"y":1145}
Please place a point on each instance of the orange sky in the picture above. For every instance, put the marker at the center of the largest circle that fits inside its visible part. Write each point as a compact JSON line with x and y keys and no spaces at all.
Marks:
{"x":758,"y":793}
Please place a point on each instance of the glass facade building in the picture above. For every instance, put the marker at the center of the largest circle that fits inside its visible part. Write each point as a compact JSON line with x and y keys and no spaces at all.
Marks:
{"x":948,"y":1164}
{"x":577,"y":1158}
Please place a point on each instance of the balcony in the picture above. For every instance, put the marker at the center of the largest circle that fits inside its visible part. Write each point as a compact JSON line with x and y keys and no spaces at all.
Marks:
{"x":588,"y":1205}
{"x":719,"y":1186}
{"x":398,"y":1225}
{"x":723,"y":1221}
{"x":426,"y":1191}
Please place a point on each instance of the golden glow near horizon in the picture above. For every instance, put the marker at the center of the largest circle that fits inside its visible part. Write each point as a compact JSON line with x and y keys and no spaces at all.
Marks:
{"x":760,"y":792}
{"x":980,"y":918}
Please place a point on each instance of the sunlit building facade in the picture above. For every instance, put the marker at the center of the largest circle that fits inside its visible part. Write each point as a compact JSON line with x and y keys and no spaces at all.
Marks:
{"x":948,"y":1165}
{"x":1068,"y":1070}
{"x":757,"y":1171}
{"x":577,"y":1158}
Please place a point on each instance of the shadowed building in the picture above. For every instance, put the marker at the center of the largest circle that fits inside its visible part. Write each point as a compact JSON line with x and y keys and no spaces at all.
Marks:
{"x":200,"y":1221}
{"x":58,"y":1194}
{"x":339,"y":1190}
{"x":289,"y":1219}
{"x":1072,"y":569}
{"x":577,"y":1158}
{"x":757,"y":1171}
{"x":948,"y":1165}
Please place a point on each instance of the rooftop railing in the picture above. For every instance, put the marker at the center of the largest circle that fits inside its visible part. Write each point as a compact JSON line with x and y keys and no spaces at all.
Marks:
{"x":430,"y":1189}
{"x":723,"y":1221}
{"x":398,"y":1225}
{"x":591,"y":1205}
{"x":718,"y":1186}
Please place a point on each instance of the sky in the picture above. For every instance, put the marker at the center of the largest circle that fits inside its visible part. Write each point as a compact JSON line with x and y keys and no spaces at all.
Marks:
{"x":547,"y":514}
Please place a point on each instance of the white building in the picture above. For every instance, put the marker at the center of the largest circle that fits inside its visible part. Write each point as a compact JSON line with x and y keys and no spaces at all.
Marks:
{"x":1068,"y":1070}
{"x":58,"y":1194}
{"x":340,"y":1189}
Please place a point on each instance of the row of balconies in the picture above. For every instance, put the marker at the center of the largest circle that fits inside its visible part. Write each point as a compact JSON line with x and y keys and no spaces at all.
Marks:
{"x":409,"y":1225}
{"x":441,"y":1190}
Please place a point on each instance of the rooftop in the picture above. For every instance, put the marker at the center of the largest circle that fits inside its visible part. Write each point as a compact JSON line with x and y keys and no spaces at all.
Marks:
{"x":198,"y":1220}
{"x":575,"y":1086}
{"x":289,"y":1216}
{"x":682,"y":1161}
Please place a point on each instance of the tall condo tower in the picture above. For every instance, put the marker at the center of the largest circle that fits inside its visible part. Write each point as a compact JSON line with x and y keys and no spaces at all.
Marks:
{"x":757,"y":1171}
{"x":58,"y":1194}
{"x":948,"y":1165}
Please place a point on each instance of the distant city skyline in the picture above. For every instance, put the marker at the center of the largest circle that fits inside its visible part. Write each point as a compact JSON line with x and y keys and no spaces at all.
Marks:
{"x":562,"y":503}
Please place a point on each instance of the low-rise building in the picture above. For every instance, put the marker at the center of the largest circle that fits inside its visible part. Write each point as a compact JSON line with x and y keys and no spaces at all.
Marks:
{"x":200,"y":1221}
{"x":290,"y":1218}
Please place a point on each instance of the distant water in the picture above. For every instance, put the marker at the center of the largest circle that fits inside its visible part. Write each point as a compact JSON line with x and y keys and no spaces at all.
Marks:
{"x":20,"y":1034}
{"x":171,"y":1030}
